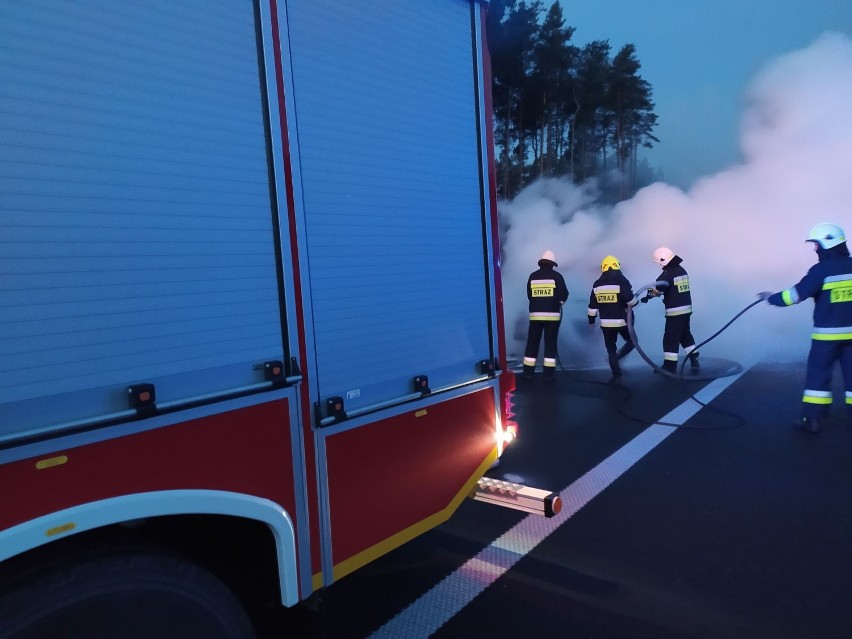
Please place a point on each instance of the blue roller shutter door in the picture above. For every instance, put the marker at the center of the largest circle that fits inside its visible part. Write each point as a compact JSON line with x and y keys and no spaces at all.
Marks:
{"x":385,"y":106}
{"x":136,"y":237}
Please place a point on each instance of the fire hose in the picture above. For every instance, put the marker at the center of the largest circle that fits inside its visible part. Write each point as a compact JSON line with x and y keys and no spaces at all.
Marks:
{"x":738,"y":421}
{"x":698,"y":378}
{"x":736,"y":368}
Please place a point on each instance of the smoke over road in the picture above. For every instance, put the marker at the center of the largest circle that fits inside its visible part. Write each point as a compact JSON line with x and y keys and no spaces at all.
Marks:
{"x":739,"y":231}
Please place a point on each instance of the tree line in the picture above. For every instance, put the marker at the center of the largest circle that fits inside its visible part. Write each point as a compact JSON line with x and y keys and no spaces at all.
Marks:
{"x":563,"y":110}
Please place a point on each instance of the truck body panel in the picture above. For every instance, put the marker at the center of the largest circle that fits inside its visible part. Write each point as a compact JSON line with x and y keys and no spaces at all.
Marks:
{"x":248,"y":249}
{"x":391,"y":190}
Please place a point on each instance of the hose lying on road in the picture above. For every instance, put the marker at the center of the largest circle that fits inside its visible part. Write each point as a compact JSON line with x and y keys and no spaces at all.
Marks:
{"x":737,"y":368}
{"x":692,"y":378}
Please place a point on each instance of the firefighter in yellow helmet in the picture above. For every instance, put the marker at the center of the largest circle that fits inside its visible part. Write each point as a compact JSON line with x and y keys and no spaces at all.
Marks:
{"x":547,"y":293}
{"x":609,"y":299}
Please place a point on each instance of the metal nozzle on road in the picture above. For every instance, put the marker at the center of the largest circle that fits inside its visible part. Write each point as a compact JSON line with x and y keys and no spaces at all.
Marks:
{"x":517,"y":497}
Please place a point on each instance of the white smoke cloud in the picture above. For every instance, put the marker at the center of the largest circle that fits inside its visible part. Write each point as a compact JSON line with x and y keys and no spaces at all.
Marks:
{"x":739,"y":231}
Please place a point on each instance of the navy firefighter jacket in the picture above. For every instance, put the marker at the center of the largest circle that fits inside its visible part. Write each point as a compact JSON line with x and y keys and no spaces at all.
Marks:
{"x":829,"y":283}
{"x":610,"y":295}
{"x":546,"y":291}
{"x":676,"y":298}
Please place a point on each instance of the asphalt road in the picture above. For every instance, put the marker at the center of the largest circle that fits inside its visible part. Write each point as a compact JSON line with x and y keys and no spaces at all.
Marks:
{"x":727,"y":523}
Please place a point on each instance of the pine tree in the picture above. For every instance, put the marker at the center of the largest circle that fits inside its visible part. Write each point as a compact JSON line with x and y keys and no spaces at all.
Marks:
{"x":553,"y":61}
{"x":511,"y":47}
{"x":560,"y":109}
{"x":632,"y":112}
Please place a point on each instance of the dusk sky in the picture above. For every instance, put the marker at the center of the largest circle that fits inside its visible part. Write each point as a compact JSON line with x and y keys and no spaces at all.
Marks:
{"x":699,"y":57}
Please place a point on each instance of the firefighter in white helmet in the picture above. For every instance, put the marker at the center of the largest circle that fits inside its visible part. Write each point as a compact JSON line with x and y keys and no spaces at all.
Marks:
{"x":547,"y":293}
{"x":611,"y":294}
{"x":829,"y":284}
{"x":673,"y":285}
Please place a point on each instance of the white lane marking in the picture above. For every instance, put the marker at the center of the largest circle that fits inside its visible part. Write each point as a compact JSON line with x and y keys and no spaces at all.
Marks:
{"x":437,"y":606}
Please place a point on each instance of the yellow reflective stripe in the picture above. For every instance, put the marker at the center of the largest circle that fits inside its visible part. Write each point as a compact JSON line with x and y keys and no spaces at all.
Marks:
{"x":832,"y":330}
{"x":836,"y":284}
{"x":529,"y":361}
{"x":678,"y":310}
{"x":544,"y":317}
{"x":830,"y":337}
{"x":670,"y":357}
{"x":549,"y":362}
{"x":839,"y":288}
{"x":787,"y":298}
{"x":812,"y":396}
{"x":542,"y":291}
{"x":607,"y":293}
{"x":543,"y":288}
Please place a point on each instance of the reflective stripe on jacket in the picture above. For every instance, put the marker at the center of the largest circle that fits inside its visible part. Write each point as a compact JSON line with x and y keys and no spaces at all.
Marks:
{"x":610,"y":295}
{"x":829,"y":284}
{"x":677,"y":297}
{"x":546,"y":291}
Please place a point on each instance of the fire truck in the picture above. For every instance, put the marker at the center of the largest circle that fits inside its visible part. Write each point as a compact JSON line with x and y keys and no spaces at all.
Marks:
{"x":250,"y":304}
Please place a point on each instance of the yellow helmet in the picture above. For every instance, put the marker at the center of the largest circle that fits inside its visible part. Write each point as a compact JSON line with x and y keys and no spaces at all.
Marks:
{"x":610,"y":262}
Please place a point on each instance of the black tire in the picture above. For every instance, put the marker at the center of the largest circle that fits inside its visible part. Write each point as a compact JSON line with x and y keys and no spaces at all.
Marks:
{"x":122,"y":594}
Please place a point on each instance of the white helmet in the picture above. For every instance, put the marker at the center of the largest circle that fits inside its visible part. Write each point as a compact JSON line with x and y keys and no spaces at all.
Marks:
{"x":663,"y":255}
{"x":549,"y":256}
{"x":827,"y":235}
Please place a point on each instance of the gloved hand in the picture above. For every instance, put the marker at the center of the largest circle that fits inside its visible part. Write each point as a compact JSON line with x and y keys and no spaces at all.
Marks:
{"x":645,"y":299}
{"x":764,"y":295}
{"x":591,"y":321}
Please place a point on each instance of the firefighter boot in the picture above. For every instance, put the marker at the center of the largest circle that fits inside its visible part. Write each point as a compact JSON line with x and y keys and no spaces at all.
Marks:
{"x":528,"y":372}
{"x":693,"y":360}
{"x":615,"y":368}
{"x":670,"y":367}
{"x":807,"y":424}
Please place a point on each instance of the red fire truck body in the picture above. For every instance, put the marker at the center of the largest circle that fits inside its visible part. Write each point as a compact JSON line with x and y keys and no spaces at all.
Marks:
{"x":250,"y":296}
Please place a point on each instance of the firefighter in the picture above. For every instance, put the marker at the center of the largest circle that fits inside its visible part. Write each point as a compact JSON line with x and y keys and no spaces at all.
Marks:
{"x":611,"y":294}
{"x":547,"y":293}
{"x":673,"y":285}
{"x":829,"y":283}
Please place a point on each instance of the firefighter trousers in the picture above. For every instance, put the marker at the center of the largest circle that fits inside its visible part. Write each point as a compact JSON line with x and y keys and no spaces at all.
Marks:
{"x":676,"y":333}
{"x":817,"y":398}
{"x":550,"y":331}
{"x":610,"y":336}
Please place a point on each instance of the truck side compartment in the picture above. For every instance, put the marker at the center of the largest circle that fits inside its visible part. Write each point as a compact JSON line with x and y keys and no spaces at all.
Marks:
{"x":250,"y":289}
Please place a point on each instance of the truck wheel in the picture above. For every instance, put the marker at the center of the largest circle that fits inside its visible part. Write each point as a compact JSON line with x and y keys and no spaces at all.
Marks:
{"x":139,"y":594}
